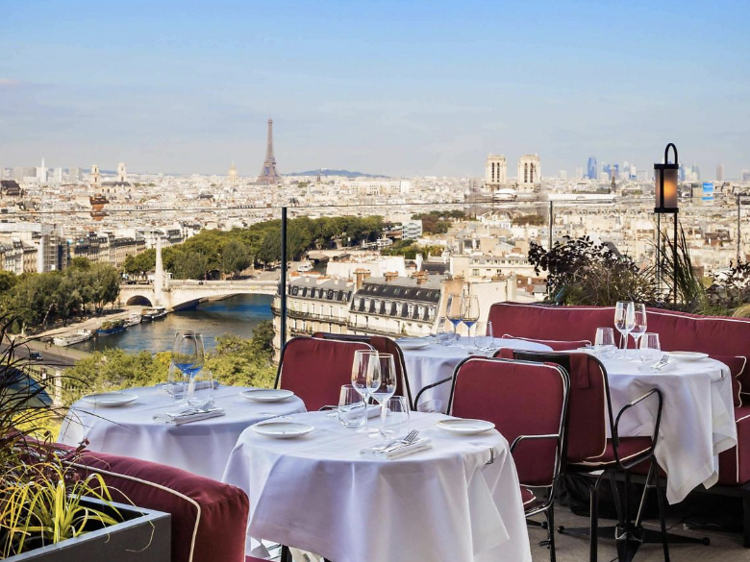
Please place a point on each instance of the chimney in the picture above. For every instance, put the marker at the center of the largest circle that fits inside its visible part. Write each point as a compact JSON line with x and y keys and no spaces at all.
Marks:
{"x":390,"y":276}
{"x":359,"y":277}
{"x":420,"y":276}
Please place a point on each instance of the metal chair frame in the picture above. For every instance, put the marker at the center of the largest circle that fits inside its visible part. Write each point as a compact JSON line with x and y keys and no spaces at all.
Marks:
{"x":547,"y":507}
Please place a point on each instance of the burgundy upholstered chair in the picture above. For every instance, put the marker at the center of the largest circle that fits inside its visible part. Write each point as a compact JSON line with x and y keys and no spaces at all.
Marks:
{"x":527,"y":403}
{"x":381,"y":344}
{"x":209,"y":518}
{"x":315,"y":369}
{"x":587,"y":449}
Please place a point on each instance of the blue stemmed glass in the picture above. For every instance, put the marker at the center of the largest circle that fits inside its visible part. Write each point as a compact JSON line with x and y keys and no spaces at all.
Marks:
{"x":188,"y":356}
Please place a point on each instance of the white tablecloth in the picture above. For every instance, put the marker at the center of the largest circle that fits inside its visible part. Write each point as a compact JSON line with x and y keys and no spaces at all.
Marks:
{"x":697,"y":420}
{"x":318,"y":493}
{"x":201,"y":447}
{"x":437,"y":362}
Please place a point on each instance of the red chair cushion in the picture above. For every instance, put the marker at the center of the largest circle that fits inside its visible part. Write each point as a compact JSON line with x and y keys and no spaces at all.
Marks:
{"x":223,"y":508}
{"x":520,"y":399}
{"x":734,"y":464}
{"x":315,"y":369}
{"x":555,"y":345}
{"x":736,"y":364}
{"x":529,"y":499}
{"x":629,"y":448}
{"x":254,"y":559}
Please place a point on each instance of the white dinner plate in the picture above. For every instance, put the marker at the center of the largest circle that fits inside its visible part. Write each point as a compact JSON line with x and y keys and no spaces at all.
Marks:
{"x":412,"y":345}
{"x":282,"y":429}
{"x":465,"y":427}
{"x":266,"y":395}
{"x":687,"y":355}
{"x":110,"y":399}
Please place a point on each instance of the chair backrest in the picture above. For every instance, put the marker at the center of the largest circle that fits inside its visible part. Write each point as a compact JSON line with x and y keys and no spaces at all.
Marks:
{"x":381,"y":344}
{"x":209,"y":518}
{"x":315,"y":369}
{"x":520,"y":398}
{"x":589,"y":408}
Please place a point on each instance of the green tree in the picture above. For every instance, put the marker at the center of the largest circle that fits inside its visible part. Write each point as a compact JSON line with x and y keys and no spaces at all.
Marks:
{"x":235,"y":257}
{"x":104,"y":283}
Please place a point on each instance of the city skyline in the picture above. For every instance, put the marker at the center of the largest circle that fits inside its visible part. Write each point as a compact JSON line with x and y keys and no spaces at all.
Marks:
{"x":417,"y":90}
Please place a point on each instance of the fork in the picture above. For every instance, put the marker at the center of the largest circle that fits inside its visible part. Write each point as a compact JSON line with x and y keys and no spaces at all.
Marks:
{"x":410,"y":438}
{"x":662,"y":363}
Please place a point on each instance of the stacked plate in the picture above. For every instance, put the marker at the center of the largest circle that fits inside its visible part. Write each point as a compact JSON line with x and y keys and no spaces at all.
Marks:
{"x":266,"y":395}
{"x":110,"y":399}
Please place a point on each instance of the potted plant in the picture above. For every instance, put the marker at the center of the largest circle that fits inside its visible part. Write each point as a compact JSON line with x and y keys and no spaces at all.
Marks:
{"x":50,"y":509}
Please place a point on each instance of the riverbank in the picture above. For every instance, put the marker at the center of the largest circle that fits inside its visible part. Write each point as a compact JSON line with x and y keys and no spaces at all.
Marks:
{"x":92,"y":323}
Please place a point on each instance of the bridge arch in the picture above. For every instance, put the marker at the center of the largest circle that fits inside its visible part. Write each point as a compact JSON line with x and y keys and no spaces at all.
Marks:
{"x":138,"y":300}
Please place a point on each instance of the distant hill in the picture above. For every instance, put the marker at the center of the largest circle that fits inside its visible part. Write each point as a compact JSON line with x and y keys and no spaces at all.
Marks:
{"x":345,"y":173}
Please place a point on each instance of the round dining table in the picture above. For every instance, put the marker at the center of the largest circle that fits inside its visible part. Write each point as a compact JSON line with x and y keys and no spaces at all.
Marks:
{"x":697,"y":420}
{"x":201,"y":447}
{"x":458,"y":501}
{"x":435,"y":362}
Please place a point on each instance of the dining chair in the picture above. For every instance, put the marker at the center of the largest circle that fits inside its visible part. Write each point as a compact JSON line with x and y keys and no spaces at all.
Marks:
{"x":315,"y":369}
{"x":588,"y":450}
{"x":381,"y":344}
{"x":527,"y":402}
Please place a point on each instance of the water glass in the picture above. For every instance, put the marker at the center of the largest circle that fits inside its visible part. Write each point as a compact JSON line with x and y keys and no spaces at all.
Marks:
{"x":177,"y":384}
{"x":443,"y":336}
{"x":484,"y":338}
{"x":604,"y":344}
{"x":352,"y":411}
{"x":395,"y":416}
{"x":365,"y":374}
{"x":650,"y":350}
{"x":200,"y":389}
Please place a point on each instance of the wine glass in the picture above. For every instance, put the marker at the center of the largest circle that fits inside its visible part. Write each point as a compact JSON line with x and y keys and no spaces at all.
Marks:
{"x":365,"y":375}
{"x":385,"y":387}
{"x":188,"y":355}
{"x":471,"y":312}
{"x":624,"y":320}
{"x":639,"y":322}
{"x":454,"y":312}
{"x":650,"y":349}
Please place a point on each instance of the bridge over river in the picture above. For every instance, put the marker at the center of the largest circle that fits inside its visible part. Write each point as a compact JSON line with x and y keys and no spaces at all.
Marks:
{"x":176,"y":295}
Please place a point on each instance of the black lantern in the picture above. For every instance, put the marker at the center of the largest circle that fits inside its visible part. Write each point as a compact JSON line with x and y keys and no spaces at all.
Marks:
{"x":666,"y":175}
{"x":666,"y":183}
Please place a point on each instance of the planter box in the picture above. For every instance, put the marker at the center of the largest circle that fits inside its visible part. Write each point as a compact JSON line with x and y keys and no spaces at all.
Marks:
{"x":144,"y":536}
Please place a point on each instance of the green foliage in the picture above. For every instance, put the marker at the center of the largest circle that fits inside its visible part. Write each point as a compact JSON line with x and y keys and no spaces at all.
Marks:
{"x":7,"y":281}
{"x":235,"y":362}
{"x":691,"y":293}
{"x":231,"y":252}
{"x":439,"y":222}
{"x":530,"y":220}
{"x":409,"y":250}
{"x":580,"y":272}
{"x":40,"y":493}
{"x":37,"y":299}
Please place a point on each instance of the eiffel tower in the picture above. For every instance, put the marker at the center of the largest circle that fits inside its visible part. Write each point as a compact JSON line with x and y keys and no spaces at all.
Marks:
{"x":269,"y":174}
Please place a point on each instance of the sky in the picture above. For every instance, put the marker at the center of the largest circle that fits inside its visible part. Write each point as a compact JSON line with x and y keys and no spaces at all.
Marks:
{"x":395,"y":87}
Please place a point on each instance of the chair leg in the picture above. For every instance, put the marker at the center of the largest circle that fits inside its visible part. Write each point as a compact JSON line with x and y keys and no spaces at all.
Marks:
{"x":662,"y":514}
{"x":286,"y":554}
{"x":550,"y":514}
{"x":594,"y":520}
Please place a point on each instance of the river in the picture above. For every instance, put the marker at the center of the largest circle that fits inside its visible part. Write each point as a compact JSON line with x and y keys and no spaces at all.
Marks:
{"x":237,"y":315}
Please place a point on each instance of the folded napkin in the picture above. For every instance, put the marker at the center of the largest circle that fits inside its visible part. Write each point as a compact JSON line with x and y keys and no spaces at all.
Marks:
{"x":190,"y":417}
{"x":400,"y":451}
{"x":373,"y":410}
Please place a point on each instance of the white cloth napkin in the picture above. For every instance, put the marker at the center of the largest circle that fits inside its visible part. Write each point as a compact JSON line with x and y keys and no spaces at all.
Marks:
{"x":402,"y":451}
{"x":181,"y":419}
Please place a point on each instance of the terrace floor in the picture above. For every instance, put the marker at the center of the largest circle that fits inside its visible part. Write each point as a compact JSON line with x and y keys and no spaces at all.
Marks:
{"x":724,"y":547}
